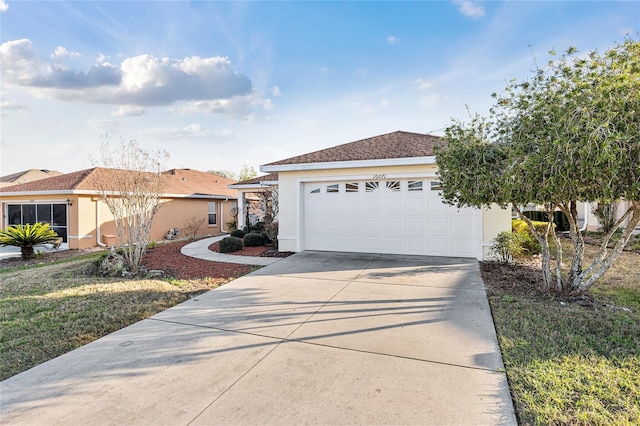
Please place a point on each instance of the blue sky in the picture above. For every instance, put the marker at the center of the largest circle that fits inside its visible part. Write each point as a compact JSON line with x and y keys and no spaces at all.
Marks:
{"x":222,"y":84}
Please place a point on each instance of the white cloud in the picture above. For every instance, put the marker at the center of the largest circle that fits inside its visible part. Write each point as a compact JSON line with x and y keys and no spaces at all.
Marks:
{"x":425,"y":84}
{"x":361,"y":107}
{"x":237,"y":106}
{"x":101,"y":59}
{"x":275,"y":91}
{"x":10,"y":106}
{"x":194,"y":130}
{"x":128,"y":110}
{"x":62,"y":52}
{"x":393,"y":40}
{"x":142,"y":80}
{"x":429,"y":101}
{"x":3,"y":6}
{"x":108,"y":126}
{"x":469,"y":8}
{"x":309,"y":124}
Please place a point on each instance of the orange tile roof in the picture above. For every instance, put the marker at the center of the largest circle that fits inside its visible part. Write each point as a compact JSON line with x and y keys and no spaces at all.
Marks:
{"x":181,"y":182}
{"x":391,"y":145}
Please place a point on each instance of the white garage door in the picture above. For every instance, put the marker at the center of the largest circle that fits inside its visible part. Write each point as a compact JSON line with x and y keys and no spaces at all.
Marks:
{"x":387,"y":216}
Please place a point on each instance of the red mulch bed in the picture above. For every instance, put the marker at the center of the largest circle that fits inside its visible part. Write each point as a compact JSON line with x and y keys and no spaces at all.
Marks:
{"x":167,"y":257}
{"x":261,"y":251}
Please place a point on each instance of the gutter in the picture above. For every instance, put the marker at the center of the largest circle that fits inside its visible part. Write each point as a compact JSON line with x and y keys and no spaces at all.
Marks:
{"x":586,"y":217}
{"x":98,"y":242}
{"x":222,"y":215}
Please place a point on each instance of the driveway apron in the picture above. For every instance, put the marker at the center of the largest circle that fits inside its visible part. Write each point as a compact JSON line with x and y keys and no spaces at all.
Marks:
{"x":317,"y":338}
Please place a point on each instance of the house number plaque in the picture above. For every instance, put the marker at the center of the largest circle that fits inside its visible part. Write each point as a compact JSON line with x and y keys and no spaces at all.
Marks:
{"x":379,"y":176}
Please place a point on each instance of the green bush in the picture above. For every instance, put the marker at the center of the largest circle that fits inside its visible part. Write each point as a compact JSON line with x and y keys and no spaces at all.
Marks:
{"x":506,"y":246}
{"x":253,"y":239}
{"x":230,"y":244}
{"x":257,"y":228}
{"x":528,"y":243}
{"x":238,"y":233}
{"x":519,"y":225}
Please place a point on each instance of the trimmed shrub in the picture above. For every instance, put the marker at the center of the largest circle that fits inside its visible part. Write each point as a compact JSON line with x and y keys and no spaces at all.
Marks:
{"x":230,"y":244}
{"x":253,"y":239}
{"x":519,"y":225}
{"x":528,"y":243}
{"x":258,"y":227}
{"x":506,"y":246}
{"x":238,"y":233}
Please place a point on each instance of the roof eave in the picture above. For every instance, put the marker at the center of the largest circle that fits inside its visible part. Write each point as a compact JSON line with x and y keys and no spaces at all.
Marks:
{"x":200,"y":196}
{"x":262,"y":184}
{"x":404,"y":161}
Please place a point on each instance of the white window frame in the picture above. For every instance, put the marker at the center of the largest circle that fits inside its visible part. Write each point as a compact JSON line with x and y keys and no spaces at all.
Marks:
{"x":212,"y":210}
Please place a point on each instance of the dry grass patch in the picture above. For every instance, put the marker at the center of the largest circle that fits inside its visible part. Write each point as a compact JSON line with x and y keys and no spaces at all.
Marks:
{"x":570,"y":361}
{"x":49,"y":310}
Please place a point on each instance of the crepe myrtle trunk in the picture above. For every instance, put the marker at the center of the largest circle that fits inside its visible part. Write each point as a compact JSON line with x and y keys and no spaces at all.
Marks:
{"x":583,"y":280}
{"x":545,"y":251}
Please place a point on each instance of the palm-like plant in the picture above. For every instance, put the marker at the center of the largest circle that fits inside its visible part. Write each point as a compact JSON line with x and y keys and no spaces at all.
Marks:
{"x":27,"y":236}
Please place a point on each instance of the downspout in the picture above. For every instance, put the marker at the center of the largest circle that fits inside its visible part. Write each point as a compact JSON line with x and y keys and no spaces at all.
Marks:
{"x":586,"y":217}
{"x":100,"y":243}
{"x":222,"y":216}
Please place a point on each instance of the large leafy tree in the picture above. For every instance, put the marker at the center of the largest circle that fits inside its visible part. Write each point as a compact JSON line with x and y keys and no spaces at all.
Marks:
{"x":569,"y":133}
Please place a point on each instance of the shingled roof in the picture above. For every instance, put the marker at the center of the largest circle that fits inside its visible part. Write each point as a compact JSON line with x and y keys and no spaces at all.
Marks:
{"x":271,"y":177}
{"x":391,"y":145}
{"x":27,"y":176}
{"x":181,"y":182}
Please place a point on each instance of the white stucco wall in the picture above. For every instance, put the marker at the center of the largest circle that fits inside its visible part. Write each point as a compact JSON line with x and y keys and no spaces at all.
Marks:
{"x":290,"y":183}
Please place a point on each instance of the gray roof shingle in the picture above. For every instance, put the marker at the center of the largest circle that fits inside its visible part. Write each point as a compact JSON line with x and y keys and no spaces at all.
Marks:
{"x":391,"y":145}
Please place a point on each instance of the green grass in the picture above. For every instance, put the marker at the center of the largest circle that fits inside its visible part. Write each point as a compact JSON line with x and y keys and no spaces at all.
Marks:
{"x":573,"y":364}
{"x":48,"y":310}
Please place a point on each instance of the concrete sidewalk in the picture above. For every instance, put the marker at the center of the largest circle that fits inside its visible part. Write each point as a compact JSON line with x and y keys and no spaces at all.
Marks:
{"x":316,"y":338}
{"x":200,"y":250}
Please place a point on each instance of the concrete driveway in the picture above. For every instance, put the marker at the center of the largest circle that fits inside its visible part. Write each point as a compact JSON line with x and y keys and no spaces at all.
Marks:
{"x":317,"y":338}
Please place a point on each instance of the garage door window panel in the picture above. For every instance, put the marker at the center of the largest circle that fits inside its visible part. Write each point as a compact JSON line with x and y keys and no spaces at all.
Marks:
{"x":371,"y":186}
{"x":393,"y":185}
{"x":352,"y":187}
{"x":333,"y":189}
{"x":414,"y":186}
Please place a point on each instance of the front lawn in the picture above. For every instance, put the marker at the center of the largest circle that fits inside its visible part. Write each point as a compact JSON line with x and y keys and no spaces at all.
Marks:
{"x":47,"y":310}
{"x":570,"y":361}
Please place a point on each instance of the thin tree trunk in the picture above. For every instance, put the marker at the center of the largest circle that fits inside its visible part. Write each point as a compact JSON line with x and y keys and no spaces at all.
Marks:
{"x":559,"y":253}
{"x":571,"y":212}
{"x":602,"y":263}
{"x":547,"y":276}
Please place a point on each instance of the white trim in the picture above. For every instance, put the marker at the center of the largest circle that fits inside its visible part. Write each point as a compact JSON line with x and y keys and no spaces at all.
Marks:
{"x":55,"y":201}
{"x":92,"y":192}
{"x":261,"y":185}
{"x":405,"y":161}
{"x":369,"y":176}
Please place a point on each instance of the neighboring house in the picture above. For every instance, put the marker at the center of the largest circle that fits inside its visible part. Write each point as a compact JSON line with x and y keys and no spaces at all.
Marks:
{"x":378,"y":195}
{"x":249,"y":210}
{"x":27,"y":176}
{"x":72,"y":205}
{"x":586,"y":219}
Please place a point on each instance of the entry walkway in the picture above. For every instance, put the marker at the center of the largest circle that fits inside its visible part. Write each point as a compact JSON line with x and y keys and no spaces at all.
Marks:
{"x":11,"y":251}
{"x":200,"y":250}
{"x":316,"y":338}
